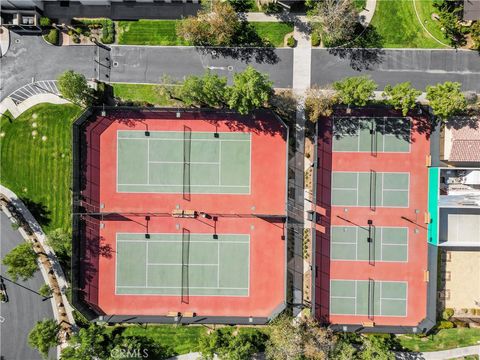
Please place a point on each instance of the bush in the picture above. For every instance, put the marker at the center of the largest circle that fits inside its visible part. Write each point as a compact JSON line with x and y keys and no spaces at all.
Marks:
{"x":108,"y":32}
{"x":45,"y":22}
{"x":475,"y":31}
{"x":443,"y":324}
{"x":461,"y":324}
{"x":52,"y":37}
{"x":291,"y":41}
{"x":45,"y":290}
{"x":447,"y":313}
{"x":316,"y":39}
{"x":76,"y":39}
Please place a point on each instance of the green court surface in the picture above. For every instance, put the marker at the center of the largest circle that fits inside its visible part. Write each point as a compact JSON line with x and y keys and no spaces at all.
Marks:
{"x":373,"y":189}
{"x":180,"y":264}
{"x":183,"y":162}
{"x":369,"y":243}
{"x":368,"y":297}
{"x":371,"y":135}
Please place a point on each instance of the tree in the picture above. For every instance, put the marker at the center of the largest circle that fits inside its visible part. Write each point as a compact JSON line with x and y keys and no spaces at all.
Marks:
{"x":357,"y":90}
{"x":375,"y":347}
{"x":319,"y":103}
{"x":250,"y":90}
{"x":207,"y":90}
{"x":343,"y":350}
{"x":449,"y":19}
{"x":138,"y":347}
{"x":401,"y":96}
{"x":88,"y":344}
{"x":227,"y":345}
{"x":60,"y":241}
{"x":335,"y":20}
{"x":216,"y":26}
{"x":21,"y":262}
{"x":303,"y":340}
{"x":446,"y":99}
{"x":73,"y":86}
{"x":44,"y":336}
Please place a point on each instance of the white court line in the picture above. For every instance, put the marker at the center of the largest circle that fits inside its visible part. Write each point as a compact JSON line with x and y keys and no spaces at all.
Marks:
{"x":221,"y":186}
{"x":220,"y":163}
{"x":177,"y":287}
{"x":358,"y":176}
{"x":166,"y":264}
{"x":146,"y":265}
{"x":148,"y":161}
{"x":218,"y":265}
{"x":162,"y":139}
{"x":181,"y":162}
{"x":173,"y":241}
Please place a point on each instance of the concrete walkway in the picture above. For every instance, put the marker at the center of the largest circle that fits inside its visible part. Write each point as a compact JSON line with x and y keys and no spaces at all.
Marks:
{"x":452,"y":354}
{"x":366,"y":15}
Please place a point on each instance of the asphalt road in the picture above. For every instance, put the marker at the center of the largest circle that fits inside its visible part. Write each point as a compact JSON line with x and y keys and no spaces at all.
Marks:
{"x":31,"y":57}
{"x":420,"y":67}
{"x":151,"y":64}
{"x":23,"y":309}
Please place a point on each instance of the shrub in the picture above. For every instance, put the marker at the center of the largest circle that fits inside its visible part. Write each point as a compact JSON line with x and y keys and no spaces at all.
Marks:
{"x":316,"y":39}
{"x":447,"y":313}
{"x":76,"y":39}
{"x":108,"y":32}
{"x":291,"y":41}
{"x":443,"y":324}
{"x":45,"y":22}
{"x":45,"y":290}
{"x":78,"y":30}
{"x":475,"y":30}
{"x":461,"y":324}
{"x":52,"y":36}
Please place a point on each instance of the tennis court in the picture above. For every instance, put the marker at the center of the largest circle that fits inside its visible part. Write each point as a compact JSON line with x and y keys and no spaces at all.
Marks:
{"x":369,"y":243}
{"x":373,"y":189}
{"x":182,"y":264}
{"x":183,"y":162}
{"x":387,"y":135}
{"x":368,"y":297}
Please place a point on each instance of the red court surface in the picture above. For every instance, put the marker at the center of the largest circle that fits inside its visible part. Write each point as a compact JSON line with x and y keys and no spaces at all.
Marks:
{"x":259,"y":214}
{"x":412,"y":217}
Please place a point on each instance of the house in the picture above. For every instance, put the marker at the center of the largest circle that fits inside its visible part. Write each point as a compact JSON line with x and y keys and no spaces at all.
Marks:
{"x":471,"y":10}
{"x":461,"y":146}
{"x":23,"y":15}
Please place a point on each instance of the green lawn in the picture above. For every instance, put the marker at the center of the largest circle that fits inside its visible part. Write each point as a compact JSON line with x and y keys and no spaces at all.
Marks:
{"x":141,"y":93}
{"x":181,"y":339}
{"x":397,"y":25}
{"x":425,"y":10}
{"x":149,"y":32}
{"x":163,"y":32}
{"x":274,"y":32}
{"x":39,"y":170}
{"x":443,"y":340}
{"x":360,"y":4}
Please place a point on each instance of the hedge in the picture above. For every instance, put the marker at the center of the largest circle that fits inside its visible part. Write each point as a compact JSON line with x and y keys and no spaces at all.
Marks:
{"x":52,"y":36}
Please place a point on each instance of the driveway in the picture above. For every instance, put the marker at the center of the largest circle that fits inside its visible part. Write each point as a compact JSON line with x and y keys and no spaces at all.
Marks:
{"x":24,"y":308}
{"x":420,"y":67}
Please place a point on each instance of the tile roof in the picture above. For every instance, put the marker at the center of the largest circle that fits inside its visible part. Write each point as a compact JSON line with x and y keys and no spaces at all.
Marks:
{"x":465,"y":150}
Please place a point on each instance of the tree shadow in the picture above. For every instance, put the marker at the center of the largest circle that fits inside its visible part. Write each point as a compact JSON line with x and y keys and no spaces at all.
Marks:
{"x":364,"y":52}
{"x":39,"y":211}
{"x":248,"y":47}
{"x":459,"y":122}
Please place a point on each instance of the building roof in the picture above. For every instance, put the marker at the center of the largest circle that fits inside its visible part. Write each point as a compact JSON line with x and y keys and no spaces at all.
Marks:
{"x":465,"y":150}
{"x":465,"y":143}
{"x":471,"y":9}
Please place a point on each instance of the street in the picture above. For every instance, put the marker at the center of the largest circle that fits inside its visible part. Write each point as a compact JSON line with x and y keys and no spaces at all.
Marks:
{"x":30,"y":57}
{"x":24,"y":307}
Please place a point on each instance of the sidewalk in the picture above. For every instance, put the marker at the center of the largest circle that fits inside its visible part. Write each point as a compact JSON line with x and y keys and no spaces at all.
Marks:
{"x":4,"y":40}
